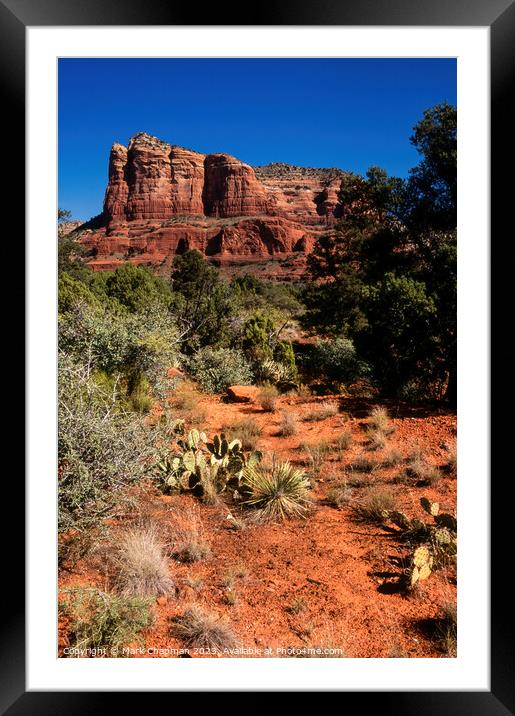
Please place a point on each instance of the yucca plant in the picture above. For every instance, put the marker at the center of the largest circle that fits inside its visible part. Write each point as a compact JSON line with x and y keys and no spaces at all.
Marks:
{"x":279,"y":492}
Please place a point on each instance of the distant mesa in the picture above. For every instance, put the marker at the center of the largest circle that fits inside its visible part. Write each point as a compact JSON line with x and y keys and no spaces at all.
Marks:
{"x":162,"y":200}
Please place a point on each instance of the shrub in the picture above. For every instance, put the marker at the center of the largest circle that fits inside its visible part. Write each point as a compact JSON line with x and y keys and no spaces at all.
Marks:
{"x":289,"y":424}
{"x":102,"y":448}
{"x":72,"y":292}
{"x":218,"y":368}
{"x":374,"y":505}
{"x":98,"y":620}
{"x":322,"y":411}
{"x":200,"y":629}
{"x":392,"y":458}
{"x":247,"y":431}
{"x":277,"y":492}
{"x":142,"y":565}
{"x":336,"y":360}
{"x":268,"y":396}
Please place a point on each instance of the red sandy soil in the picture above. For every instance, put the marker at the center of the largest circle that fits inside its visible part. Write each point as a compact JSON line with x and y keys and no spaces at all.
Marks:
{"x":341,"y":574}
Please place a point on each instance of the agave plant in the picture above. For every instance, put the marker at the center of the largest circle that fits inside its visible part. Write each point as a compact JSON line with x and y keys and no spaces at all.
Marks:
{"x":278,"y":492}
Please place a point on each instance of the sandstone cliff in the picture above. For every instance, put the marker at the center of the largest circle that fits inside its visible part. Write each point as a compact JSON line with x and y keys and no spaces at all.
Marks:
{"x":163,"y":199}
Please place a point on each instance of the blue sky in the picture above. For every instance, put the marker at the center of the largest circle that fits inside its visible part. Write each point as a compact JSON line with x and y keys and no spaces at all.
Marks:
{"x":347,"y":113}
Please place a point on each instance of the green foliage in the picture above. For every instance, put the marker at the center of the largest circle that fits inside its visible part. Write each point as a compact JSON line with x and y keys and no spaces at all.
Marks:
{"x":336,"y":361}
{"x":101,"y":621}
{"x":218,"y":368}
{"x":389,"y":268}
{"x":128,"y":343}
{"x":202,"y":302}
{"x":135,"y":288}
{"x":101,"y":447}
{"x":72,"y":291}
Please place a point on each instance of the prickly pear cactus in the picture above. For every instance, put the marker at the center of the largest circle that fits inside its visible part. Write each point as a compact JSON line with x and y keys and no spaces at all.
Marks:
{"x":420,"y":567}
{"x":432,"y":508}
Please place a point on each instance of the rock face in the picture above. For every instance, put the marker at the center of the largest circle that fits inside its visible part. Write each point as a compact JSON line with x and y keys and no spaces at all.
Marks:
{"x":162,"y":200}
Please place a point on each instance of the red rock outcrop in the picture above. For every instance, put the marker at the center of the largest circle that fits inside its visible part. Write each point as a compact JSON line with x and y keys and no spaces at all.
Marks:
{"x":187,"y":182}
{"x":162,"y":200}
{"x":231,"y":188}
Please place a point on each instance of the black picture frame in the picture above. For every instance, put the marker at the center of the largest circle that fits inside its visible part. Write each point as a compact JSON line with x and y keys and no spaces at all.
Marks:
{"x":499,"y":15}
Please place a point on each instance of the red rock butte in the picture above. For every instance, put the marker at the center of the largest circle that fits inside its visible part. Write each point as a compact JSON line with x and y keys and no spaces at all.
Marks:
{"x":162,"y":200}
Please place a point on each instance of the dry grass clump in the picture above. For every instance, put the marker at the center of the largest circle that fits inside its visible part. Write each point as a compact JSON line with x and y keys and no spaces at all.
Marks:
{"x":200,"y":629}
{"x":322,"y":411}
{"x":340,"y":495}
{"x":289,"y":424}
{"x":392,"y":458}
{"x":451,"y":464}
{"x":186,"y":534}
{"x":447,"y":629}
{"x":232,"y":575}
{"x":248,"y":431}
{"x":363,"y":463}
{"x":268,"y":397}
{"x":316,"y":454}
{"x":374,"y":506}
{"x":142,"y":566}
{"x":344,"y":440}
{"x":185,"y":400}
{"x":419,"y":469}
{"x":380,"y":420}
{"x":278,"y":492}
{"x":376,"y":439}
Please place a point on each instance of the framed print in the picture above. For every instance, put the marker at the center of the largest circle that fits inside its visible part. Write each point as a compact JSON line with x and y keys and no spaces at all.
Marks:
{"x":257,"y":290}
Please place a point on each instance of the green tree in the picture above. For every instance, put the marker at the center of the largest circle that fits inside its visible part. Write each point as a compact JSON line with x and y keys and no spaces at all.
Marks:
{"x":135,"y":288}
{"x":202,"y":301}
{"x":389,"y":269}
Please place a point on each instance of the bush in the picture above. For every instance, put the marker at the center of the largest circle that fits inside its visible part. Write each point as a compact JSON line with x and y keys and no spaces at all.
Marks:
{"x":103,"y":621}
{"x":218,"y":368}
{"x":142,"y":565}
{"x":279,"y":492}
{"x":200,"y":629}
{"x":145,"y":343}
{"x":336,"y":360}
{"x":317,"y":454}
{"x":102,"y":448}
{"x":72,"y":292}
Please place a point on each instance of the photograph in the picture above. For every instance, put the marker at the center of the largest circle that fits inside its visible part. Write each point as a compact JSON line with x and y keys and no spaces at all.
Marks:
{"x":257,"y":357}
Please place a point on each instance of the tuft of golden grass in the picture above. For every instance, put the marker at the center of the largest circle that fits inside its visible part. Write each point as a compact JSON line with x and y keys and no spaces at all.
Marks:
{"x":289,"y":424}
{"x":187,"y":541}
{"x":248,"y":431}
{"x":268,"y":397}
{"x":374,"y":506}
{"x":142,"y":567}
{"x":201,"y":629}
{"x":322,"y":411}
